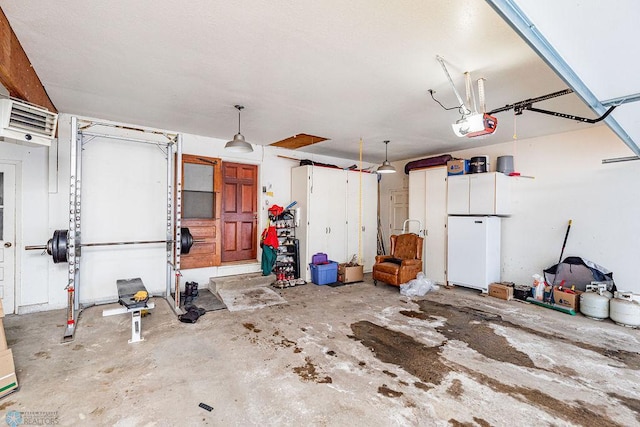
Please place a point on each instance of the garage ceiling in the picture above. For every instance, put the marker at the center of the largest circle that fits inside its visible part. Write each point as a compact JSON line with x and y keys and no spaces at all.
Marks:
{"x":335,"y":69}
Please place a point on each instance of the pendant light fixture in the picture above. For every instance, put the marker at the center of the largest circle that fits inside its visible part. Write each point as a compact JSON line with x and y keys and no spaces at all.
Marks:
{"x":238,"y":144}
{"x":386,"y":166}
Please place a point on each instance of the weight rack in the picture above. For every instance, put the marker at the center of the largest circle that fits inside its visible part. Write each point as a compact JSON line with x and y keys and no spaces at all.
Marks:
{"x":174,"y":214}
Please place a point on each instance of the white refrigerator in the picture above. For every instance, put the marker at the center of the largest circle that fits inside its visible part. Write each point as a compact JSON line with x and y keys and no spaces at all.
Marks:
{"x":473,"y":251}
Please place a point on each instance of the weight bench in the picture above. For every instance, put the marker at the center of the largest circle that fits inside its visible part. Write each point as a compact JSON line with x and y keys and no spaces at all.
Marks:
{"x":127,"y":288}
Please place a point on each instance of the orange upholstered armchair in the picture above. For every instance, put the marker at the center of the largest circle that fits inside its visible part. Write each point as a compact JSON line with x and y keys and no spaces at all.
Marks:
{"x":404,"y":263}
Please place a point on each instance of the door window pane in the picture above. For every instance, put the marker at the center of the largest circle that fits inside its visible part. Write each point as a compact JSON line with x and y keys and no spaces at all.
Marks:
{"x":197,"y":195}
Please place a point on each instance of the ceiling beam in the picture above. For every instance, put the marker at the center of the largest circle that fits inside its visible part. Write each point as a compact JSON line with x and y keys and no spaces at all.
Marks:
{"x":16,"y":72}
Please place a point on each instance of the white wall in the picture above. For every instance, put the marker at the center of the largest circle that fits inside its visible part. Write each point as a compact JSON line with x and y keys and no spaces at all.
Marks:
{"x":570,"y":182}
{"x":123,"y":198}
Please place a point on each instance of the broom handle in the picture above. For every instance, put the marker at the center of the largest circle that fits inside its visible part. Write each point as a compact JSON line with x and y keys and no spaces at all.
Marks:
{"x":555,"y":276}
{"x":565,"y":242}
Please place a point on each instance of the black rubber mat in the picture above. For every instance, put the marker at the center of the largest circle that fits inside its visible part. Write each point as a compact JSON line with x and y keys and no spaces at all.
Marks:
{"x":207,"y":300}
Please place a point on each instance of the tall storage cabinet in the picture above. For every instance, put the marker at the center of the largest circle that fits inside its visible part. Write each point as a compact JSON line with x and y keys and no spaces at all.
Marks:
{"x":362,"y":217}
{"x":428,"y":204}
{"x":329,"y":201}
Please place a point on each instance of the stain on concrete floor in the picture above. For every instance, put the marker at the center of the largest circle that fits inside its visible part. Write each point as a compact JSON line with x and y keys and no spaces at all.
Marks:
{"x":432,"y":308}
{"x":308,"y":372}
{"x":470,"y":326}
{"x":633,"y":404}
{"x":386,"y":391}
{"x":402,"y":350}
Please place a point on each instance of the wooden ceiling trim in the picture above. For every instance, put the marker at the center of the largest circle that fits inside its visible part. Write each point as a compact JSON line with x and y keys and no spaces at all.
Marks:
{"x":298,"y":141}
{"x":16,"y":72}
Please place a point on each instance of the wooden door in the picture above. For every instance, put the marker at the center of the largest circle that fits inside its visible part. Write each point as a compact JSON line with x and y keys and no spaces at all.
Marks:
{"x":239,"y":212}
{"x":201,"y":207}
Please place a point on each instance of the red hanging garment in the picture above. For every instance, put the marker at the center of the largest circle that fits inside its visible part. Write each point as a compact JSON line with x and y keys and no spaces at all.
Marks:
{"x":270,"y":237}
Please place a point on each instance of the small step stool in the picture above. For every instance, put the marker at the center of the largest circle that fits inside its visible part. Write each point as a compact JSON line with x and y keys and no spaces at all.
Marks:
{"x":127,"y":288}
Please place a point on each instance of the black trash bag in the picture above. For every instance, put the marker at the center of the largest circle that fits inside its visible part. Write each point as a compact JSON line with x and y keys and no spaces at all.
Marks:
{"x":192,"y":315}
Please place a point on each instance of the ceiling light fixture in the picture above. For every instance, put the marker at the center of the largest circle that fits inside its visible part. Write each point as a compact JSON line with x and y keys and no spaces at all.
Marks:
{"x":238,"y":144}
{"x":386,"y":166}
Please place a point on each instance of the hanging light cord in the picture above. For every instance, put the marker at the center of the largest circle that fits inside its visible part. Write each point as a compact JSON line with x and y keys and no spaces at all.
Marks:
{"x":239,"y":108}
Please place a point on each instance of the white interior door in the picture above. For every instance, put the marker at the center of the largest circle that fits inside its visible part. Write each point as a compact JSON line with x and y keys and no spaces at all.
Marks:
{"x":7,"y":236}
{"x":398,"y":210}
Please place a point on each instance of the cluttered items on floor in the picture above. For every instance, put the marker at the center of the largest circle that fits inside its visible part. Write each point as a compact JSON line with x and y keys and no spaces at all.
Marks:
{"x":597,"y":299}
{"x":418,"y":287}
{"x":280,"y":239}
{"x":323,"y":270}
{"x":501,"y":290}
{"x":350,"y":272}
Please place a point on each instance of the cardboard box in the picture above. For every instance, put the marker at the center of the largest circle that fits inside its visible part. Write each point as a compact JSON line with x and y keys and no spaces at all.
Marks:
{"x":350,"y":274}
{"x":457,"y":167}
{"x":498,"y":290}
{"x":3,"y":337}
{"x":8,"y":380}
{"x":566,"y":299}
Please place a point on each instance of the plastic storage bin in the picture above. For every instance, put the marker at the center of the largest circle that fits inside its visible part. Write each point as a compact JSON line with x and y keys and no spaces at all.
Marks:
{"x":322,"y":274}
{"x":319,"y":258}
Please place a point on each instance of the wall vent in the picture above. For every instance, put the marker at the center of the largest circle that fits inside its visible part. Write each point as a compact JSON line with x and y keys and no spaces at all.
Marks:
{"x":26,"y":124}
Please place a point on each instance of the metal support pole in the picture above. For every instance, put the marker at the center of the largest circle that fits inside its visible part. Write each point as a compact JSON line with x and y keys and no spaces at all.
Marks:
{"x":75,"y":148}
{"x":178,"y":220}
{"x":169,"y":231}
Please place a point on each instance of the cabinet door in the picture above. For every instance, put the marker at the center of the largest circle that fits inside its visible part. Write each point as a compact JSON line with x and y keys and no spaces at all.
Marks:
{"x":482,"y":194}
{"x":458,"y":195}
{"x":435,"y":225}
{"x":355,"y":212}
{"x":503,"y":194}
{"x":369,"y":220}
{"x":327,"y":213}
{"x":417,"y":201}
{"x":300,"y":192}
{"x":362,"y":218}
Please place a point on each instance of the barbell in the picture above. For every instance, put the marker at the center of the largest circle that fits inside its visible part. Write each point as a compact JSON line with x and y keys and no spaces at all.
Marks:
{"x":58,"y":245}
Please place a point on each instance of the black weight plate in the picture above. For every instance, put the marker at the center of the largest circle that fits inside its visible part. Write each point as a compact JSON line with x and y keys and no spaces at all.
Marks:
{"x":186,"y":240}
{"x":59,"y":246}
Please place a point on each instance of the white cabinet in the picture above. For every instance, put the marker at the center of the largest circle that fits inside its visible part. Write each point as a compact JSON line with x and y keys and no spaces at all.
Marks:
{"x":479,"y":194}
{"x":428,"y":205}
{"x":362,"y":217}
{"x":473,"y":251}
{"x":332,"y":219}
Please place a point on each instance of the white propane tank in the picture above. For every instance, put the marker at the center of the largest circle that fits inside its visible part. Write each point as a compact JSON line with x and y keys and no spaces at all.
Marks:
{"x":624,"y":309}
{"x":594,"y":302}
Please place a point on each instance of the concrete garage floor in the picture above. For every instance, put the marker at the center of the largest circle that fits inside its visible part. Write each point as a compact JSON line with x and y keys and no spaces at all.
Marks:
{"x":352,"y":355}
